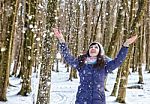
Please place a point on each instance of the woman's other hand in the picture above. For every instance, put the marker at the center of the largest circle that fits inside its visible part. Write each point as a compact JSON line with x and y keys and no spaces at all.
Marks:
{"x":58,"y":34}
{"x":130,"y":41}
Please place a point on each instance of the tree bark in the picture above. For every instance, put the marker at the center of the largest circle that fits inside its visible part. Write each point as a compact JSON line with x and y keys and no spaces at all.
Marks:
{"x":126,"y":65}
{"x":28,"y":47}
{"x":43,"y":96}
{"x":6,"y":39}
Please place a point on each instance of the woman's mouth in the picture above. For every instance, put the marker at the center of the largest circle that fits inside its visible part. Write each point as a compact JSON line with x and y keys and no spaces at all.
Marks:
{"x":93,"y":51}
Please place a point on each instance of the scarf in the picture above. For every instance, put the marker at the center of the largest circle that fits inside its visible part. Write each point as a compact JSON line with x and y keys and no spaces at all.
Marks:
{"x":91,"y":60}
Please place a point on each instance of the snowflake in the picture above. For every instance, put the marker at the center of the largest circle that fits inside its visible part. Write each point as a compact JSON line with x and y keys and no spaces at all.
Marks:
{"x":38,"y":39}
{"x":3,"y":49}
{"x":29,"y":57}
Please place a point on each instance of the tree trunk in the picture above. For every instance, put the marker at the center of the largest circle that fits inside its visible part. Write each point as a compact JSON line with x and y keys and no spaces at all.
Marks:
{"x":85,"y":45}
{"x":115,"y":36}
{"x":115,"y":88}
{"x":28,"y":47}
{"x":17,"y":40}
{"x":115,"y":39}
{"x":8,"y":15}
{"x":43,"y":96}
{"x":141,"y":44}
{"x":147,"y":36}
{"x":125,"y":70}
{"x":107,"y":30}
{"x":77,"y":25}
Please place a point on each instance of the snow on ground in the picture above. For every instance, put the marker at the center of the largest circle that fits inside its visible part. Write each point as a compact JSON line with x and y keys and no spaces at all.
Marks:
{"x":64,"y":91}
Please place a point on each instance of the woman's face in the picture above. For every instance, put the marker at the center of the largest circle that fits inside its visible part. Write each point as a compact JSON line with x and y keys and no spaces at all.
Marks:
{"x":94,"y":50}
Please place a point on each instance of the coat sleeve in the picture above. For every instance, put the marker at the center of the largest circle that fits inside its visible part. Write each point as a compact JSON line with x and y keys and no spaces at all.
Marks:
{"x":113,"y":64}
{"x":67,"y":56}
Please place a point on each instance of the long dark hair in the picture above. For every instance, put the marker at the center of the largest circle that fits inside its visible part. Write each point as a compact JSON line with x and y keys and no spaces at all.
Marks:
{"x":100,"y":58}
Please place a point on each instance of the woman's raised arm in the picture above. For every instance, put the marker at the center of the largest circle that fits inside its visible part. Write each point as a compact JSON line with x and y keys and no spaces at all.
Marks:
{"x":64,"y":49}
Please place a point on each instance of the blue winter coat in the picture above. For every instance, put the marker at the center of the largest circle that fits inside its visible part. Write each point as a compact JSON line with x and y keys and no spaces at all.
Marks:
{"x":91,"y":88}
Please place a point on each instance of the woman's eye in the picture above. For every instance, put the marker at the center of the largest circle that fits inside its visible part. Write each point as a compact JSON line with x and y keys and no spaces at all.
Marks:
{"x":96,"y":47}
{"x":91,"y":46}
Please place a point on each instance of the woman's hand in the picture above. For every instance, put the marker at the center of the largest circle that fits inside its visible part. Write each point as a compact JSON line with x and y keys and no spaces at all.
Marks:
{"x":130,"y":41}
{"x":58,"y":34}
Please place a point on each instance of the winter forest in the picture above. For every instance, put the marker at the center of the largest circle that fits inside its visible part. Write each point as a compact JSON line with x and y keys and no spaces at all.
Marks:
{"x":29,"y":51}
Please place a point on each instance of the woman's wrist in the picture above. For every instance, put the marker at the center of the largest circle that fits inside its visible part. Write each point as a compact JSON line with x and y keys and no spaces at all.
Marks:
{"x":61,"y":40}
{"x":126,"y":44}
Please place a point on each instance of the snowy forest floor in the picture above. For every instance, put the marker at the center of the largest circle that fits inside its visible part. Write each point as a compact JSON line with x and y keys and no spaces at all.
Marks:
{"x":64,"y":91}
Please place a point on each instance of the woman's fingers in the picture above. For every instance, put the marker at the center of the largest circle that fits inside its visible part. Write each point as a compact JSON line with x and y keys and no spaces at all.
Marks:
{"x":59,"y":35}
{"x":57,"y":32}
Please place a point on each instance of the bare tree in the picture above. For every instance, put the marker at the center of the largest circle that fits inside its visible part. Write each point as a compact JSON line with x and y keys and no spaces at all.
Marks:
{"x":27,"y":52}
{"x":8,"y":10}
{"x":45,"y":71}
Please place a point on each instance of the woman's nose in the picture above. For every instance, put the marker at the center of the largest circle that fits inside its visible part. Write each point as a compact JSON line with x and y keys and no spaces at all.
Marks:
{"x":93,"y":47}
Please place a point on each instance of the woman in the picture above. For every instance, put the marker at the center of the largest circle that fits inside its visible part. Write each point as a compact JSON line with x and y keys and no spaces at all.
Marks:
{"x":93,"y":67}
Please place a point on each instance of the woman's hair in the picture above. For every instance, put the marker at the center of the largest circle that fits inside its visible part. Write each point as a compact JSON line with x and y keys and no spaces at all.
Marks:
{"x":100,"y":58}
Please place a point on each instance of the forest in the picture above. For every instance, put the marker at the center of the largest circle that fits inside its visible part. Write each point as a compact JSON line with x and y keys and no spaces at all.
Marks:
{"x":28,"y":44}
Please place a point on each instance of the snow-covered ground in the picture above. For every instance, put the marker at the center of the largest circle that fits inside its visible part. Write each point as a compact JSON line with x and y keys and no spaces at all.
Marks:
{"x":64,"y":91}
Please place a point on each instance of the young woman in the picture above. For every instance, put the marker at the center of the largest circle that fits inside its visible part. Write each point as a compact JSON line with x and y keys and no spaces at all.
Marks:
{"x":93,"y":67}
